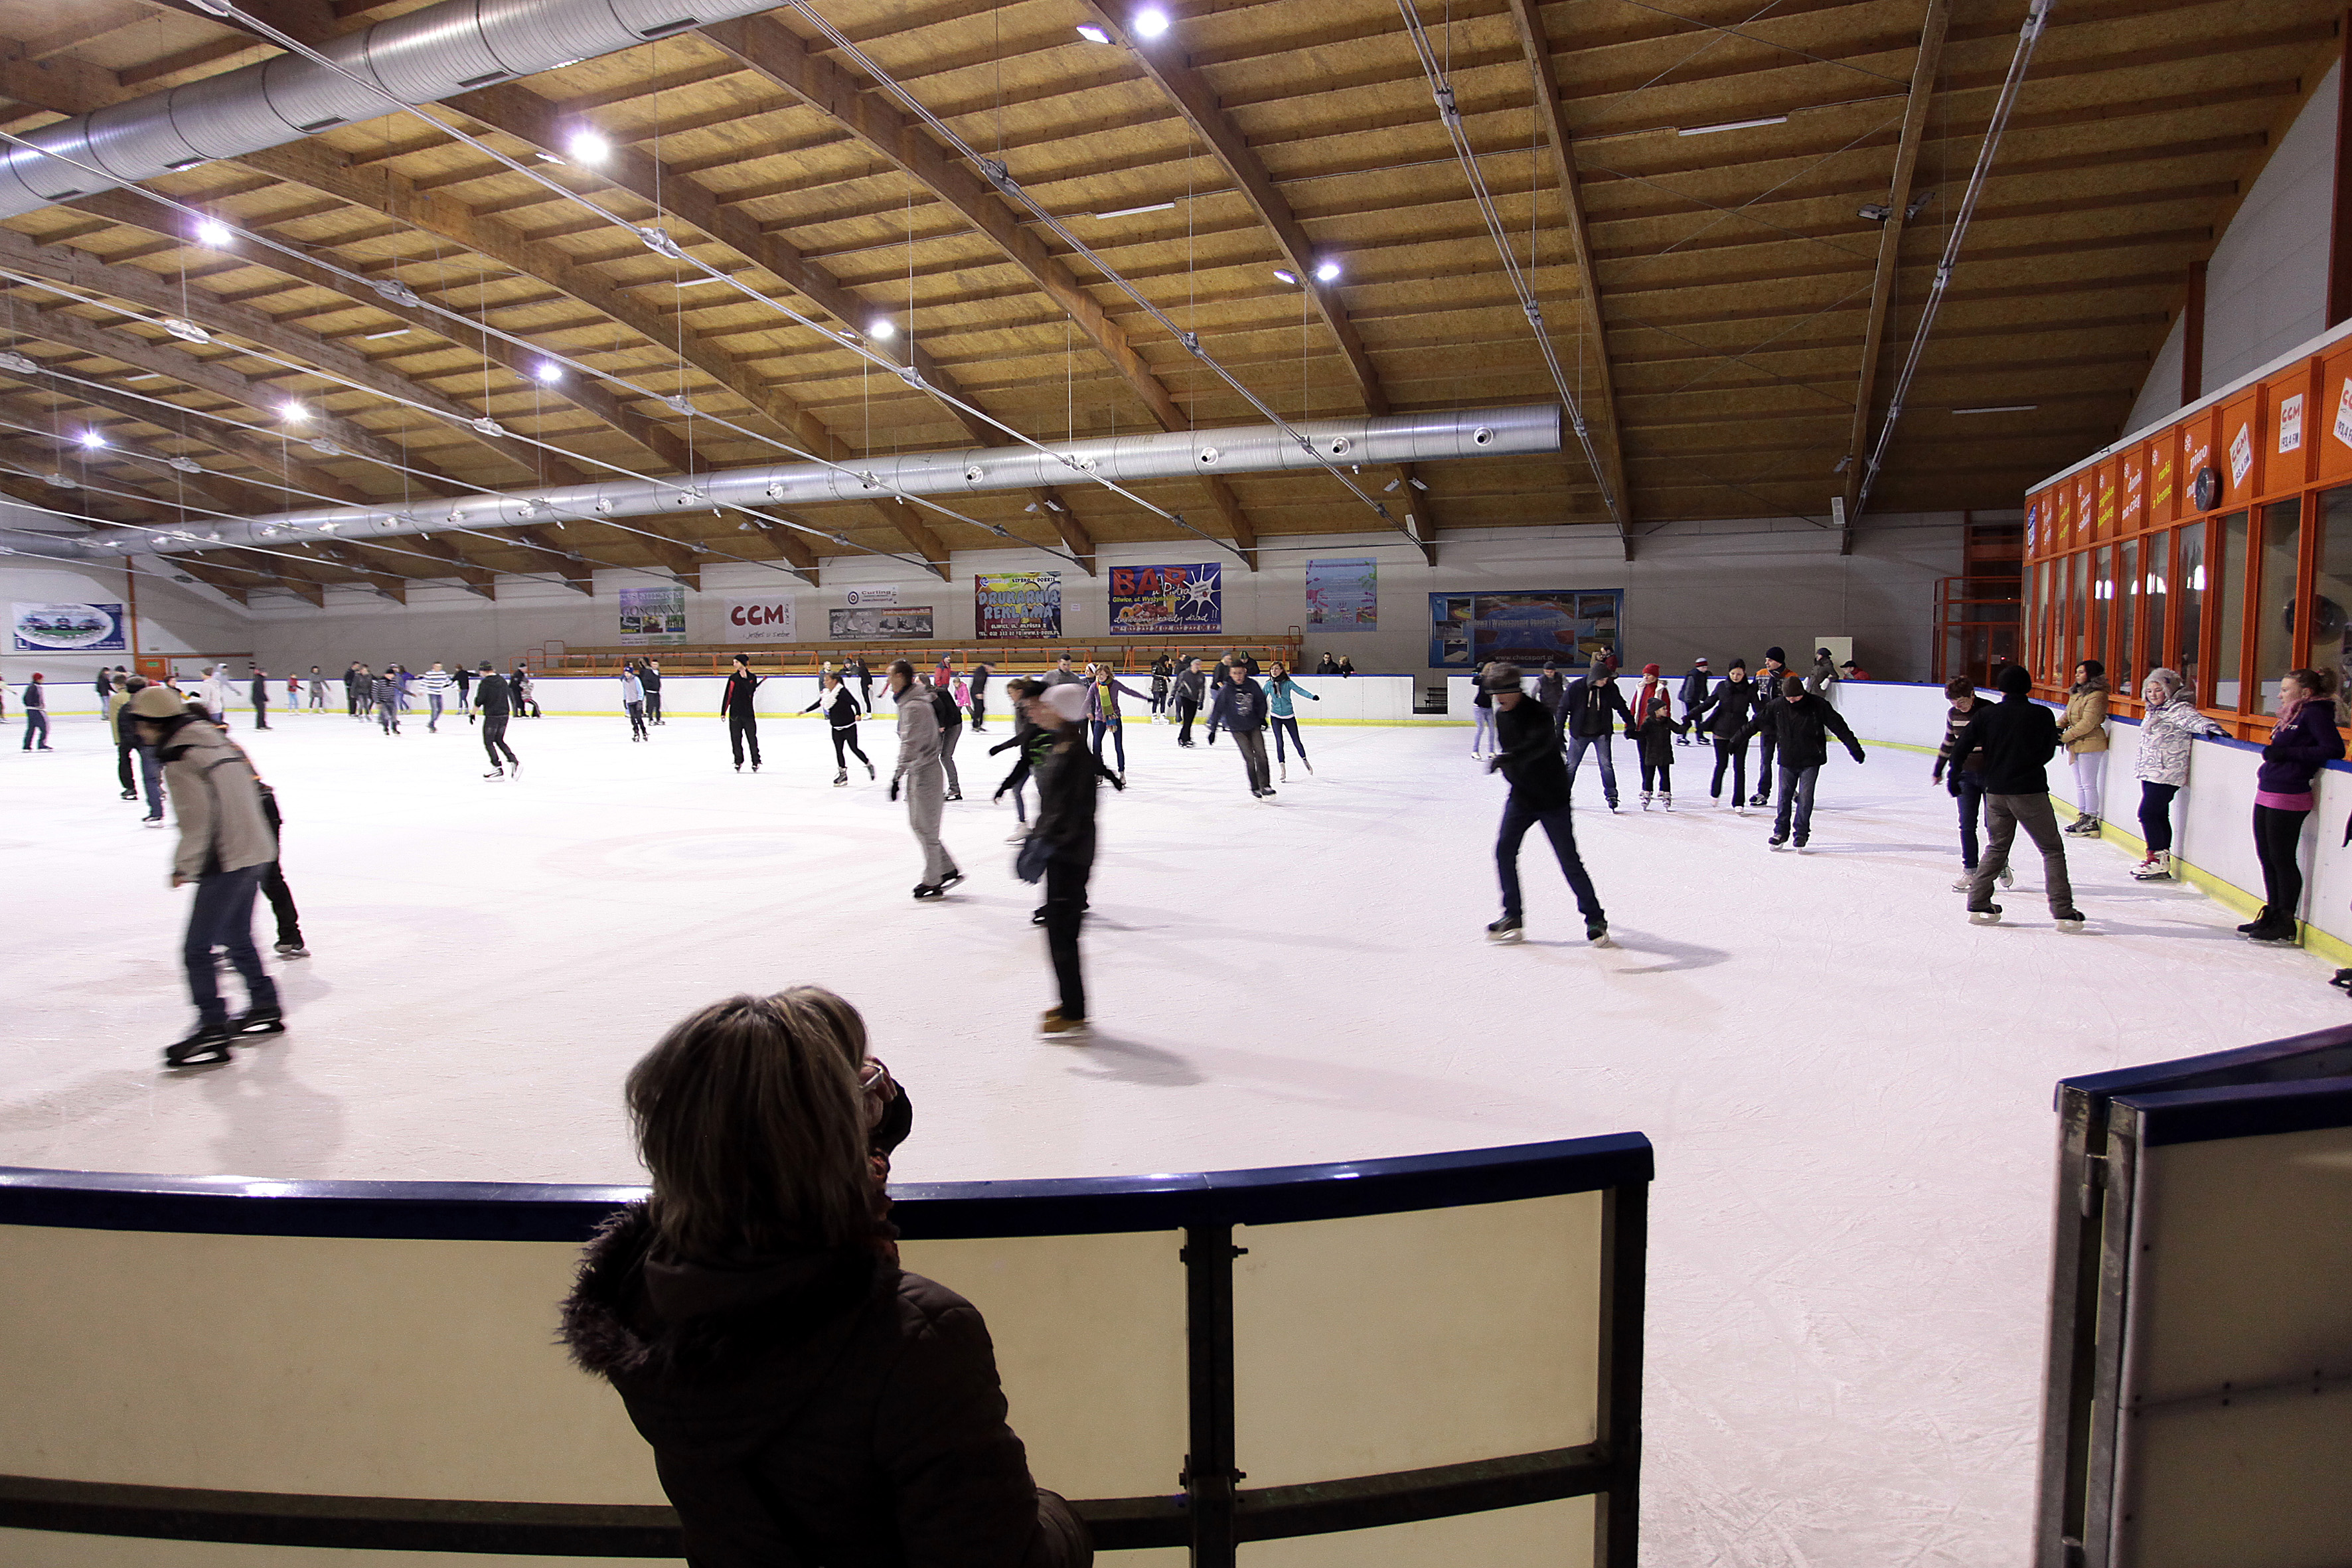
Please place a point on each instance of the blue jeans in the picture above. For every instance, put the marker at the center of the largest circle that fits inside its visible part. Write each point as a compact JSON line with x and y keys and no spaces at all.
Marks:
{"x":1577,"y":745}
{"x":222,"y":916}
{"x":36,"y":726}
{"x":1968,"y":790}
{"x":434,"y":722}
{"x":1483,"y":737}
{"x":1117,"y":733}
{"x":1516,"y":819}
{"x":1797,"y":790}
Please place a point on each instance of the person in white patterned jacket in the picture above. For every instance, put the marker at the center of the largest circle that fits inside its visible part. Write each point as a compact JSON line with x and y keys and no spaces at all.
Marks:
{"x":2165,"y":729}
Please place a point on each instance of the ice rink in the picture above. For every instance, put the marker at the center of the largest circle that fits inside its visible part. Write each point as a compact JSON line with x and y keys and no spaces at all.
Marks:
{"x":1849,"y":1086}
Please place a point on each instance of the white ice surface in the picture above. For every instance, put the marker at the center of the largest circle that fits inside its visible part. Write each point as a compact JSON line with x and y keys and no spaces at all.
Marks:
{"x":1848,"y":1085}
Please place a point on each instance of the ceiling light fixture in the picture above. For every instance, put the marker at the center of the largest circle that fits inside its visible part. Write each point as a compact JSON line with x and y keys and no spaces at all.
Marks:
{"x":1093,"y":34}
{"x":698,"y":282}
{"x":588,"y":147}
{"x":2003,"y":408}
{"x":882,"y":331}
{"x":293,"y":413}
{"x":1130,"y":212}
{"x":92,"y":440}
{"x":547,"y":372}
{"x":1286,"y":275}
{"x":1391,"y":486}
{"x":1327,"y":271}
{"x":1150,"y":22}
{"x":212,"y":233}
{"x":1417,"y":483}
{"x":395,"y":332}
{"x":1733,"y":125}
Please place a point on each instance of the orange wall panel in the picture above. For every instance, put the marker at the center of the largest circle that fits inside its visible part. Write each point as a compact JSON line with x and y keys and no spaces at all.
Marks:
{"x":2331,"y":422}
{"x":2163,"y":476}
{"x":2242,"y":447}
{"x":2106,"y":491}
{"x":2131,"y":511}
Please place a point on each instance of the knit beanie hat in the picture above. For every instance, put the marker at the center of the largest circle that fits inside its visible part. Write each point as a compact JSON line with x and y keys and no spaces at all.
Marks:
{"x":1650,"y":669}
{"x":1774,"y":656}
{"x":2016,"y":681}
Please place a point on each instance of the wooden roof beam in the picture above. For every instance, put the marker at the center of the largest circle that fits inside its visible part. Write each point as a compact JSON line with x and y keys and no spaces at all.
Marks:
{"x":785,"y":59}
{"x":1603,"y":420}
{"x":478,"y":579}
{"x":901,"y":519}
{"x":1890,"y":247}
{"x":680,"y":561}
{"x":578,"y":572}
{"x":789,"y":543}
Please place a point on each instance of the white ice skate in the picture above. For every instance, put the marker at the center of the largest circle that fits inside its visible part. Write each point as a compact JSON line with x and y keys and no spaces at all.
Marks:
{"x":1507,"y":930}
{"x":2070,"y":921}
{"x":2157,"y":867}
{"x":1988,"y":916}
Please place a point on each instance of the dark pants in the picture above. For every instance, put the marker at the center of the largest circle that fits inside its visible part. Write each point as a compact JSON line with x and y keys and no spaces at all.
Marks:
{"x":636,"y":720}
{"x":1599,"y":745}
{"x":1251,"y":744}
{"x":36,"y":727}
{"x":151,"y":781}
{"x":1768,"y":746}
{"x":122,"y":749}
{"x":979,"y":713}
{"x":653,"y":705}
{"x":1968,"y":789}
{"x":351,"y":700}
{"x":1733,"y":755}
{"x":261,"y":716}
{"x":1186,"y":711}
{"x":281,"y":907}
{"x":845,"y":735}
{"x":2156,"y":816}
{"x":1066,"y":911}
{"x":865,"y":692}
{"x":1797,"y":792}
{"x":222,"y":916}
{"x":2004,"y":814}
{"x":1518,"y":817}
{"x":494,"y":739}
{"x":1280,"y":726}
{"x":1657,"y":776}
{"x":1116,"y":733}
{"x":2277,"y":836}
{"x":741,"y":729}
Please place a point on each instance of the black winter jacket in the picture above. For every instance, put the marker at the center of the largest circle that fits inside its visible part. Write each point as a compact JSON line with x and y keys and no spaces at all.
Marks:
{"x":1693,"y":695}
{"x":1240,"y":705}
{"x":819,"y":1408}
{"x":1803,"y":729}
{"x":2017,"y":737}
{"x":1728,"y":708}
{"x":1066,"y":769}
{"x":1585,"y":707}
{"x":737,"y":703}
{"x":1530,"y":757}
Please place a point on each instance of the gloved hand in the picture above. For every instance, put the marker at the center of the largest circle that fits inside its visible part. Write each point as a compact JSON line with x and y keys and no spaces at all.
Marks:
{"x":1119,"y":784}
{"x":894,"y":789}
{"x":1856,"y":752}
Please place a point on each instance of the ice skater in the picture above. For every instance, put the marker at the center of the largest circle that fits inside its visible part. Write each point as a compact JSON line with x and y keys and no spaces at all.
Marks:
{"x":978,"y":692}
{"x":1062,"y":846}
{"x":632,"y":700}
{"x":1241,"y":708}
{"x":1802,"y":723}
{"x":495,"y":704}
{"x":1531,"y":759}
{"x":649,"y":681}
{"x":1652,"y":735}
{"x":1729,"y":706}
{"x":388,"y":700}
{"x":855,"y":669}
{"x":950,"y":718}
{"x":318,"y":691}
{"x":1966,"y":785}
{"x":226,"y":848}
{"x":1104,"y":716}
{"x":1585,"y":720}
{"x":742,"y":717}
{"x":1696,"y":681}
{"x":1281,"y":689}
{"x":1186,"y":691}
{"x":466,"y":690}
{"x":1482,"y":714}
{"x":919,"y":774}
{"x":436,"y":682}
{"x":259,"y":694}
{"x":2168,"y":726}
{"x":1768,"y":681}
{"x":2304,"y":740}
{"x":2083,"y":735}
{"x":841,"y":713}
{"x":2009,"y":744}
{"x":37,"y":715}
{"x":1026,"y":737}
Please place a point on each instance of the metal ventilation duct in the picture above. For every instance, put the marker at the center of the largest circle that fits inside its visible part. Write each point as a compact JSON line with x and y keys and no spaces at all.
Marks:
{"x":1253,"y":450}
{"x":426,"y":56}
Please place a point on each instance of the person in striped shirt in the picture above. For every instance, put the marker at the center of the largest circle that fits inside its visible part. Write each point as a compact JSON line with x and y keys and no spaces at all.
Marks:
{"x":436,"y":688}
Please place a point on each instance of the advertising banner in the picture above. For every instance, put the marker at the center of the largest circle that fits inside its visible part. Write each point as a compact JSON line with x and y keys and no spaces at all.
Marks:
{"x":652,"y":615}
{"x":880,"y":623}
{"x":1017,"y":606}
{"x":1466,"y":630}
{"x":871,"y":593}
{"x":67,"y":629}
{"x":760,"y":620}
{"x":1152,"y":601}
{"x":1344,"y":595}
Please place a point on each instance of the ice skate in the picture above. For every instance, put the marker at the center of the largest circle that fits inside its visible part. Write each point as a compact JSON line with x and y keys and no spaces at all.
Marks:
{"x":1507,"y":930}
{"x":1596,"y":931}
{"x":496,"y":773}
{"x":1020,"y":831}
{"x":951,"y":879}
{"x":1666,"y":801}
{"x":2343,"y":980}
{"x":293,"y":948}
{"x":2157,"y":867}
{"x":2007,"y":878}
{"x":1964,"y":881}
{"x":1984,"y":915}
{"x":209,"y":1044}
{"x":925,"y":890}
{"x":514,"y":768}
{"x":1800,"y":846}
{"x":1778,"y":841}
{"x":2261,"y":918}
{"x":840,"y":778}
{"x":1305,"y":764}
{"x":1760,"y":798}
{"x":263,"y":1020}
{"x":1645,"y":800}
{"x":871,"y":774}
{"x":155,"y":821}
{"x":1054,"y":1027}
{"x":2069,"y":920}
{"x":130,"y":794}
{"x":1283,"y":772}
{"x":953,"y":794}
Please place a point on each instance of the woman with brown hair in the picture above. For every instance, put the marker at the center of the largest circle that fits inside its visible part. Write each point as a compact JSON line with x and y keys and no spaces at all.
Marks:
{"x":807,"y":1400}
{"x":2304,"y":740}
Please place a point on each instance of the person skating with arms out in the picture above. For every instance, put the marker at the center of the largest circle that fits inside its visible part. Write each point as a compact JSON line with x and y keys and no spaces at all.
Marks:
{"x":1281,"y":689}
{"x":1531,"y":759}
{"x":840,"y":705}
{"x":2009,"y":744}
{"x":918,"y":774}
{"x":1802,"y":723}
{"x":494,"y":701}
{"x":1728,"y":709}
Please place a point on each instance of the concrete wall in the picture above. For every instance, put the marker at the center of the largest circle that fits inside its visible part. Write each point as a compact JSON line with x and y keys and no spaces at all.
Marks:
{"x":2266,"y":286}
{"x":1715,"y":588}
{"x":173,"y":618}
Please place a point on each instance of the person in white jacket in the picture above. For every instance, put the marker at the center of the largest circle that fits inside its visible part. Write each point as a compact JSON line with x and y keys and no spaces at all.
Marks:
{"x":921,"y":776}
{"x":2166,"y":732}
{"x":214,"y":686}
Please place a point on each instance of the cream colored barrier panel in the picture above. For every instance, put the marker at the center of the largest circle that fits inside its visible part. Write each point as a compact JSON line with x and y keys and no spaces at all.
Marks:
{"x":1089,"y":1334}
{"x":1547,"y":1535}
{"x":2238,"y":1351}
{"x":329,"y":1364}
{"x":1396,"y":1341}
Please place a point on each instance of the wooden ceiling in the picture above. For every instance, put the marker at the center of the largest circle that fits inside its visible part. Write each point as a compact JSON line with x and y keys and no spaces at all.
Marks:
{"x":1738,"y":291}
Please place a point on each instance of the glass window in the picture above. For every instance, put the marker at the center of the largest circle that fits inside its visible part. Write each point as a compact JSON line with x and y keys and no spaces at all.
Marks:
{"x":2156,"y":650}
{"x":2229,"y":637}
{"x":2103,"y":598}
{"x":2038,"y":633}
{"x":2121,"y":676}
{"x":2078,"y":594}
{"x":2188,"y":582}
{"x":2274,"y":626}
{"x":2331,"y":594}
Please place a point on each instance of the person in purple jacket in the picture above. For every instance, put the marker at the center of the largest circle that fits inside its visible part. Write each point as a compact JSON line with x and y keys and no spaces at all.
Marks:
{"x":2304,"y":740}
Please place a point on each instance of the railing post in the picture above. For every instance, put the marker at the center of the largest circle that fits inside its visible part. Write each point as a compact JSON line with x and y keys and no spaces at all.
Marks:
{"x":1210,"y":1478}
{"x":1625,"y":1249}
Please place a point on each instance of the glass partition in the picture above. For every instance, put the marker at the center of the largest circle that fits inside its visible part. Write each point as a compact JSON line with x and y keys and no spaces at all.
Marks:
{"x":2189,"y":578}
{"x":2275,"y":599}
{"x":2103,"y":596}
{"x":2123,"y":675}
{"x":2078,"y":594}
{"x":2229,"y":639}
{"x":2331,"y":589}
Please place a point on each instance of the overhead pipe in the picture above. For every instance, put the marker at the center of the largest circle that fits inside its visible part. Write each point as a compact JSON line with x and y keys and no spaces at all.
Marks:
{"x":1391,"y":438}
{"x":424,"y":57}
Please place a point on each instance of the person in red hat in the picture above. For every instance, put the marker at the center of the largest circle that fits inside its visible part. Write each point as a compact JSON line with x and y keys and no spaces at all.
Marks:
{"x":1651,"y":731}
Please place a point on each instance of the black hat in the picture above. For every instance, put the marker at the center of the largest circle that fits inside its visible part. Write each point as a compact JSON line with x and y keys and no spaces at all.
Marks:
{"x":1549,"y":665}
{"x":1503,"y":677}
{"x":1775,"y":655}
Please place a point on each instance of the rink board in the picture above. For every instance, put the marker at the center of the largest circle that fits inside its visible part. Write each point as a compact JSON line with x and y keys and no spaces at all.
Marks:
{"x":213,"y":1371}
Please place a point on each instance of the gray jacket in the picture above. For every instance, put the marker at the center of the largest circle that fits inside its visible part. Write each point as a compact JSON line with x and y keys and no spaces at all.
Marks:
{"x":919,"y":729}
{"x":2165,"y":734}
{"x":218,"y":801}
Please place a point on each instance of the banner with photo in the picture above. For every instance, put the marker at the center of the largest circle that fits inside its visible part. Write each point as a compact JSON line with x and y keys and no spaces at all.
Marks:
{"x":1017,"y":606}
{"x":1569,"y":625}
{"x":1157,"y":601}
{"x":1344,"y":595}
{"x":67,"y":629}
{"x":760,"y":620}
{"x":880,"y":623}
{"x":652,"y":615}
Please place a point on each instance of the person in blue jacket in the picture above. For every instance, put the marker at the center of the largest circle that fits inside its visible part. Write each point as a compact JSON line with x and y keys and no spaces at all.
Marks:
{"x":1280,"y":689}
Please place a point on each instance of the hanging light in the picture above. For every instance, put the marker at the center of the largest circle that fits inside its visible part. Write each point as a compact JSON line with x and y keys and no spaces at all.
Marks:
{"x":1150,"y":22}
{"x":92,"y":440}
{"x":547,"y":372}
{"x":882,"y":330}
{"x":212,"y":233}
{"x":1327,"y":271}
{"x":293,"y":413}
{"x":1093,"y":34}
{"x":588,"y":147}
{"x":1286,"y":275}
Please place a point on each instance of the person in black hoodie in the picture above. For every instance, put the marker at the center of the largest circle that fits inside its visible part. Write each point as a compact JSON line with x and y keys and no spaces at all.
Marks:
{"x":807,"y":1400}
{"x":1531,"y":759}
{"x":1188,"y":686}
{"x":1066,"y":771}
{"x":1693,"y":698}
{"x":1802,"y":723}
{"x":2009,"y":746}
{"x":1241,"y":708}
{"x":649,"y":679}
{"x":1585,"y":710}
{"x":743,"y":717}
{"x":1726,"y":712}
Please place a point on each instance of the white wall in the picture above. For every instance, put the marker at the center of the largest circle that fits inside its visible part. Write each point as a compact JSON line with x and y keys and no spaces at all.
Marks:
{"x":1715,"y":588}
{"x":173,"y":618}
{"x":2266,"y":286}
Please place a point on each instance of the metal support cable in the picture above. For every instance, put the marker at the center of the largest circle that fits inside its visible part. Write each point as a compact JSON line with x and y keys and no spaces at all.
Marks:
{"x":2037,"y":17}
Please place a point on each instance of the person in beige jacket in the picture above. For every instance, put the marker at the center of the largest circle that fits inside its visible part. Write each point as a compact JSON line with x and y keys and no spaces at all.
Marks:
{"x":2084,"y":734}
{"x":226,"y":848}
